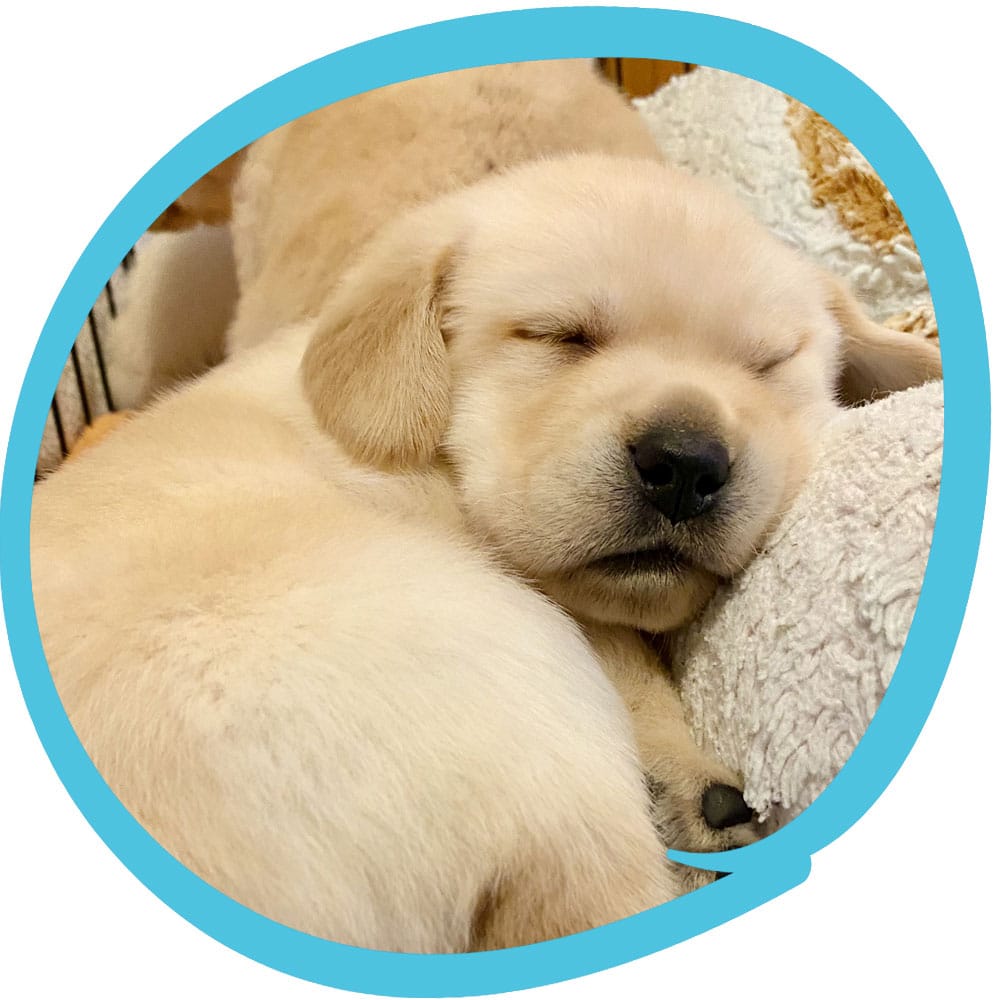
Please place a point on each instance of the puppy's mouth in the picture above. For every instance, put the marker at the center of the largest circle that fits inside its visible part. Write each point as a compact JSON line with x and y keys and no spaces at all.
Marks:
{"x":662,"y":560}
{"x":655,"y":586}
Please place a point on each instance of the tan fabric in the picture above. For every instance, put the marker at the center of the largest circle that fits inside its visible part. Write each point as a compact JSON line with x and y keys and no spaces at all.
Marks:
{"x":919,"y":320}
{"x":841,"y":177}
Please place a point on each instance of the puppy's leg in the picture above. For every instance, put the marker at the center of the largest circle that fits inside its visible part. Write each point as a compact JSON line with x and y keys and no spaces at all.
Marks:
{"x":697,"y":801}
{"x":607,"y":864}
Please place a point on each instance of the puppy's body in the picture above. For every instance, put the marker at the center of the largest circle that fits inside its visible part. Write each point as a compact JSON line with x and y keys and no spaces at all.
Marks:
{"x":341,"y":717}
{"x":304,"y":619}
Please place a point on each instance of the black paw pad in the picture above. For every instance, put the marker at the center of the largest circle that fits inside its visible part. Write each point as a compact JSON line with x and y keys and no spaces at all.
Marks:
{"x":723,"y":806}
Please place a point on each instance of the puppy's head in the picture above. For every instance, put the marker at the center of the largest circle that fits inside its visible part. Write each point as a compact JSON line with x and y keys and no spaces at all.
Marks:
{"x":625,"y":373}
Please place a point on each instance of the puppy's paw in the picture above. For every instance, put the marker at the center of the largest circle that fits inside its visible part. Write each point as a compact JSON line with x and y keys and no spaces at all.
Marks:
{"x":723,"y":807}
{"x":702,"y":814}
{"x":702,"y":809}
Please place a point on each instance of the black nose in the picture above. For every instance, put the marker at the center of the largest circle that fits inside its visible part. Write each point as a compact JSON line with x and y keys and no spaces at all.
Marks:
{"x":682,"y":471}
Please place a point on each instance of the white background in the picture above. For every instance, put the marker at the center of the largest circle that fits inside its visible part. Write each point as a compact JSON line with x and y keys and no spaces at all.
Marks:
{"x":904,"y":903}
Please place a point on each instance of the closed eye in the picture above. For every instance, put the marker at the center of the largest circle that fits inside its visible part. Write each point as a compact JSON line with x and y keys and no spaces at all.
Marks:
{"x":577,"y":337}
{"x":771,"y":364}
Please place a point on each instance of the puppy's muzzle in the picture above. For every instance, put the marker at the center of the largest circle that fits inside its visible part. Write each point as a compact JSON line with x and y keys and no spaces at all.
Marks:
{"x":681,"y":471}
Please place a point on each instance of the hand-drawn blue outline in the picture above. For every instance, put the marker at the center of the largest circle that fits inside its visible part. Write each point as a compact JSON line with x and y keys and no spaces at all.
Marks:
{"x":762,"y":871}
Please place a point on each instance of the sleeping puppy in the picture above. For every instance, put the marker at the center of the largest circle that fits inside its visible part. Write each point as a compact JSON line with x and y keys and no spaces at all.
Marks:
{"x":366,"y":650}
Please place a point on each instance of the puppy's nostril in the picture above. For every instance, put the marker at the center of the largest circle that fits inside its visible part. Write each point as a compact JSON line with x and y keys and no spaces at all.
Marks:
{"x":661,"y":474}
{"x":709,"y":484}
{"x":723,"y":806}
{"x":653,"y":461}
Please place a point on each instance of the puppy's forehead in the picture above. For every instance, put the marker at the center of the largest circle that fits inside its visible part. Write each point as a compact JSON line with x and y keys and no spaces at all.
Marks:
{"x":651,"y":251}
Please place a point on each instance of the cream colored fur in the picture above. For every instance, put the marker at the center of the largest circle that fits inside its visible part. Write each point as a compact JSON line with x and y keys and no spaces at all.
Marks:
{"x":354,"y":658}
{"x":274,"y":680}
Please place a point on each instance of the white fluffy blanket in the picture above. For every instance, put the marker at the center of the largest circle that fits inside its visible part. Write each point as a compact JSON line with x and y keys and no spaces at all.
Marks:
{"x":742,"y":135}
{"x":786,"y":667}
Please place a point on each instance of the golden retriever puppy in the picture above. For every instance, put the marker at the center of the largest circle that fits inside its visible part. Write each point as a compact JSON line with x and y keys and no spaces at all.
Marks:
{"x":622,"y":378}
{"x":352,"y":624}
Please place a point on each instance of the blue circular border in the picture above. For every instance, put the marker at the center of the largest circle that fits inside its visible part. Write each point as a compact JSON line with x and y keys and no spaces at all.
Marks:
{"x":761,"y":871}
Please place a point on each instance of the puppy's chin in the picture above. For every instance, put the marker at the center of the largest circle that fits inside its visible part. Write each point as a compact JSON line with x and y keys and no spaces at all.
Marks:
{"x":640,"y":592}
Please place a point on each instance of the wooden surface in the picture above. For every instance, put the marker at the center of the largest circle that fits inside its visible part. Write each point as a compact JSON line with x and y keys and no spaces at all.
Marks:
{"x":639,"y":77}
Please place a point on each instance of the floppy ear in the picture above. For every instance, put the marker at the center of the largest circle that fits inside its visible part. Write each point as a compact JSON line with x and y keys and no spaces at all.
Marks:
{"x":376,"y":371}
{"x":877,"y":360}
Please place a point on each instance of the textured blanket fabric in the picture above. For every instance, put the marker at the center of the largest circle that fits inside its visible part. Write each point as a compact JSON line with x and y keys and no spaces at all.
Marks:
{"x":799,"y":176}
{"x":784,"y":670}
